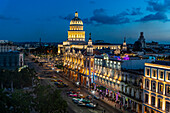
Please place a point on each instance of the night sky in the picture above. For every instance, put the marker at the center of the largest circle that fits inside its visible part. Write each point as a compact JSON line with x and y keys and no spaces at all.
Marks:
{"x":109,"y":20}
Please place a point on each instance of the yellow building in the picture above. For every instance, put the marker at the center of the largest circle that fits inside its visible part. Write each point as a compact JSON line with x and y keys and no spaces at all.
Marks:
{"x":76,"y":38}
{"x":156,"y":88}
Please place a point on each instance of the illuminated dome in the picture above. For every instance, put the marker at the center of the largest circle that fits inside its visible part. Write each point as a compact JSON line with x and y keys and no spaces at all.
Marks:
{"x":76,"y":33}
{"x":76,"y":20}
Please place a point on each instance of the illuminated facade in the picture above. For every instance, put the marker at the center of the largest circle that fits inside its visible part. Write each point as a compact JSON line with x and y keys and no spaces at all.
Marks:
{"x":76,"y":38}
{"x":156,"y":88}
{"x":122,"y":79}
{"x":78,"y":64}
{"x":76,"y":32}
{"x":124,"y":48}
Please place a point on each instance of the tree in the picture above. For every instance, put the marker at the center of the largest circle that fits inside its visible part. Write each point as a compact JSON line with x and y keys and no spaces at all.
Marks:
{"x":48,"y":100}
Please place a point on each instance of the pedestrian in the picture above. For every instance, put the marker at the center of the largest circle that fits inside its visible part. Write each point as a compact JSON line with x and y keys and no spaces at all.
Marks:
{"x":115,"y":105}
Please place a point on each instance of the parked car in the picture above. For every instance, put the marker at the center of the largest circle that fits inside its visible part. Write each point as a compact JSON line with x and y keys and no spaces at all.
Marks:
{"x":75,"y":100}
{"x":54,"y":77}
{"x":65,"y":85}
{"x":53,"y":80}
{"x":73,"y":95}
{"x":80,"y":103}
{"x":59,"y":81}
{"x":96,"y":97}
{"x":91,"y":105}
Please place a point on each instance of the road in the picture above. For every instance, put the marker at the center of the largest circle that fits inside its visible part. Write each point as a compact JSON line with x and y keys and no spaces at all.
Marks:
{"x":44,"y":72}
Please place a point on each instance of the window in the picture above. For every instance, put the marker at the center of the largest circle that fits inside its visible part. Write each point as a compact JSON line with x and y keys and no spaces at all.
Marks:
{"x":153,"y":101}
{"x":161,"y":75}
{"x":153,"y":85}
{"x":146,"y":98}
{"x":159,"y":103}
{"x":161,"y":88}
{"x":167,"y":107}
{"x":168,"y":90}
{"x":147,"y":72}
{"x":154,"y":73}
{"x":168,"y":74}
{"x":147,"y":84}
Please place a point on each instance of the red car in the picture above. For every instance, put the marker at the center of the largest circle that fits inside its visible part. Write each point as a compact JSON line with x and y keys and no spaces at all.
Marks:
{"x":73,"y":95}
{"x":59,"y":81}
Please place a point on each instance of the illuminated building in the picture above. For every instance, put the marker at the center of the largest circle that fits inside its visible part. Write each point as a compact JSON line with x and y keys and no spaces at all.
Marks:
{"x":6,"y":46}
{"x":76,"y":38}
{"x":124,"y":48}
{"x":122,"y":78}
{"x":156,"y":85}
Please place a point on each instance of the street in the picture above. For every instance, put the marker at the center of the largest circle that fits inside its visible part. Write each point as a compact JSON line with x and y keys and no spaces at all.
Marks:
{"x":45,"y":72}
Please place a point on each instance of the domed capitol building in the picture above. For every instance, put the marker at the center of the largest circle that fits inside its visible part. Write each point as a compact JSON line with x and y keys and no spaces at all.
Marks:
{"x":76,"y":38}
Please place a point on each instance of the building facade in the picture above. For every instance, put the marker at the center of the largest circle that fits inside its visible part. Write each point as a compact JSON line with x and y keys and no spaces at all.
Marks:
{"x":156,"y":88}
{"x":11,"y":60}
{"x":76,"y":38}
{"x":6,"y":46}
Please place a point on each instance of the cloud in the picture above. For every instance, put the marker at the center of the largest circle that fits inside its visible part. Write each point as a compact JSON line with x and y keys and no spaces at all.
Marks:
{"x":68,"y":17}
{"x":151,"y":17}
{"x":136,"y":11}
{"x":87,"y":21}
{"x":157,"y":6}
{"x":158,"y":11}
{"x":100,"y":17}
{"x":2,"y":17}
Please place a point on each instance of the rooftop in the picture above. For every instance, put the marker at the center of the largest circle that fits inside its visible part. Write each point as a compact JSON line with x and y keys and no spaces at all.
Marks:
{"x":167,"y":63}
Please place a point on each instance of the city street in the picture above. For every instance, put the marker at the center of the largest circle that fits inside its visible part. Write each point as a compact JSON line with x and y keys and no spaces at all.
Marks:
{"x":44,"y":73}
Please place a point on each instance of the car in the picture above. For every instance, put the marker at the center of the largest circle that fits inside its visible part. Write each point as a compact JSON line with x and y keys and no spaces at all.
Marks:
{"x":96,"y":97}
{"x":91,"y":105}
{"x":81,"y":96}
{"x":53,"y":80}
{"x":65,"y":85}
{"x":73,"y":95}
{"x":80,"y":103}
{"x":59,"y":81}
{"x":54,"y":77}
{"x":75,"y":100}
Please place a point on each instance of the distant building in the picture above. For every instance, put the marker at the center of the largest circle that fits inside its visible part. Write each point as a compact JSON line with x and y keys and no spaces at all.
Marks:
{"x":156,"y":86}
{"x":152,"y":45}
{"x":140,"y":43}
{"x":9,"y":57}
{"x":6,"y":46}
{"x":124,"y":47}
{"x":11,"y":60}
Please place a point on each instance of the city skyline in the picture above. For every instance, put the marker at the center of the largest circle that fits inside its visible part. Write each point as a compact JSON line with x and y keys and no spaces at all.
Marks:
{"x":110,"y":21}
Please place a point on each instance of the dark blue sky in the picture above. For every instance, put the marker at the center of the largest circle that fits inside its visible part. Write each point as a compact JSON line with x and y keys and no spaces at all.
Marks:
{"x":109,"y":20}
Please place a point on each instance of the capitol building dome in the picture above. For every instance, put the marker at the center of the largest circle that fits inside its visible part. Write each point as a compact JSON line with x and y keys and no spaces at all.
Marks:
{"x":76,"y":33}
{"x":76,"y":20}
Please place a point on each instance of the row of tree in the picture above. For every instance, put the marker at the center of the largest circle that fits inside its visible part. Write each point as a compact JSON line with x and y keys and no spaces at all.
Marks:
{"x":43,"y":99}
{"x":17,"y":79}
{"x":40,"y":99}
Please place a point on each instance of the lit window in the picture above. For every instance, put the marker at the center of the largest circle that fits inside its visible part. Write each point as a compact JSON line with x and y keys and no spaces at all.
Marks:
{"x":154,"y":73}
{"x":146,"y":98}
{"x":167,"y":106}
{"x":168,"y":74}
{"x":161,"y":74}
{"x":161,"y":88}
{"x":153,"y":101}
{"x":154,"y":85}
{"x":160,"y":103}
{"x":147,"y":72}
{"x":147,"y":84}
